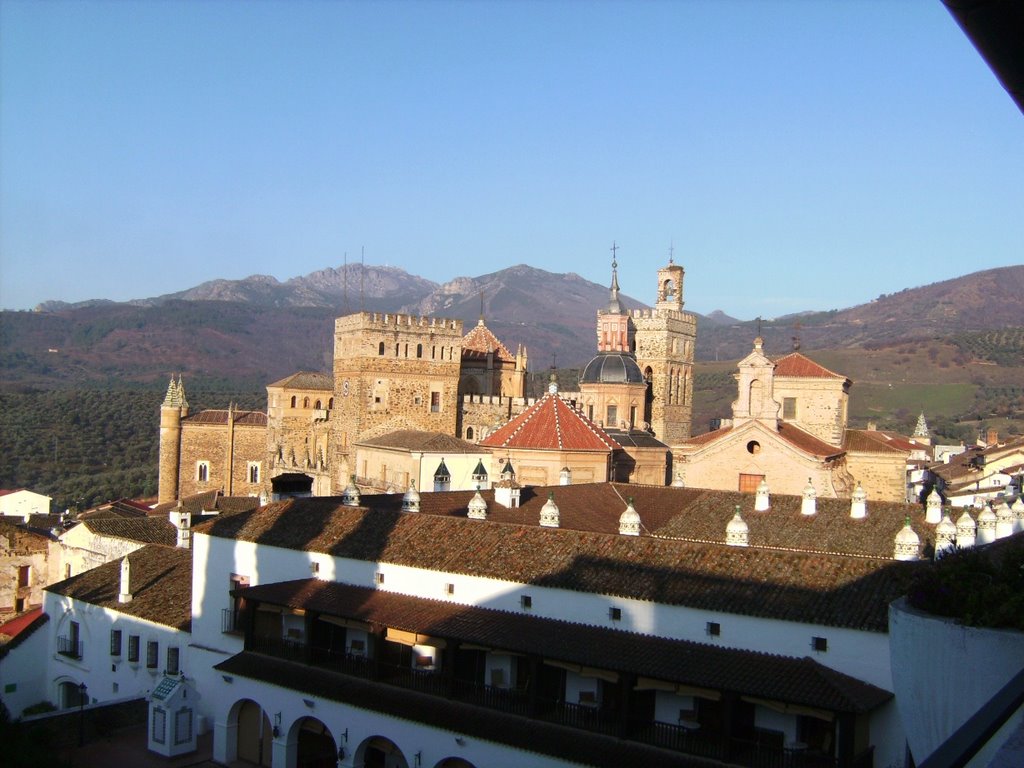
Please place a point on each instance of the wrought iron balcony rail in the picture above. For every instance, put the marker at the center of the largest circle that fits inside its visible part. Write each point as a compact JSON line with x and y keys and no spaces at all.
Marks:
{"x":69,"y":646}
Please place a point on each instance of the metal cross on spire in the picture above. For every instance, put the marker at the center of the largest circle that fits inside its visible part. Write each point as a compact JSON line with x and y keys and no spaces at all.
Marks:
{"x":671,"y":251}
{"x":614,"y":249}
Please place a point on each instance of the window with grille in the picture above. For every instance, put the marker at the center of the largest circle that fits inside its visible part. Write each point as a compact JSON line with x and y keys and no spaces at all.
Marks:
{"x":115,"y":642}
{"x":152,"y":654}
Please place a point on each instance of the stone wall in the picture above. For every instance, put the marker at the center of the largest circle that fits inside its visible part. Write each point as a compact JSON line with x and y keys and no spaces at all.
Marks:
{"x":228,"y":449}
{"x":392,"y":372}
{"x":821,"y":405}
{"x":883,"y":476}
{"x":665,"y":342}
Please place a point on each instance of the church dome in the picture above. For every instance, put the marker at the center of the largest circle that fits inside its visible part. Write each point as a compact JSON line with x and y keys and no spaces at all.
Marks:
{"x":612,"y":368}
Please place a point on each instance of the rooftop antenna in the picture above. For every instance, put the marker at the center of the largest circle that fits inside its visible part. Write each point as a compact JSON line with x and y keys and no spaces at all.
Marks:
{"x":344,"y":284}
{"x":362,"y":274}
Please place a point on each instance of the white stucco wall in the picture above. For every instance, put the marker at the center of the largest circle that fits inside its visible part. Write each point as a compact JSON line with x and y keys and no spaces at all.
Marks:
{"x":107,"y":677}
{"x":944,"y":672}
{"x":23,"y":502}
{"x":22,"y":677}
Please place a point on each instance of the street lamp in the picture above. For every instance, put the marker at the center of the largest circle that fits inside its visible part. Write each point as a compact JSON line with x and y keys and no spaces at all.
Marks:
{"x":81,"y":713}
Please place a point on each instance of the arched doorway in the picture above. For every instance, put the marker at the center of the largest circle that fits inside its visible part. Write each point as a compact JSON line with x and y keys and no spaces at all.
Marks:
{"x":378,"y":752}
{"x":70,"y":694}
{"x":454,"y":762}
{"x":315,"y":747}
{"x":254,"y":734}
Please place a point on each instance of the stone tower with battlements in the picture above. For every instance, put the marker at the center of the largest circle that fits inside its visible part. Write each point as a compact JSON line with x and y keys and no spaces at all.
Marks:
{"x":665,"y":338}
{"x":391,"y":372}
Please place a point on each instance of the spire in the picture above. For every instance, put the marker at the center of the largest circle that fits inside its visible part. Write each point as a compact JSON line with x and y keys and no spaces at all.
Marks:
{"x":921,"y":430}
{"x":614,"y":306}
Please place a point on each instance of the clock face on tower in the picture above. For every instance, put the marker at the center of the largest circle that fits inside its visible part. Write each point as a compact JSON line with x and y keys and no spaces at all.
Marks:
{"x":344,"y":388}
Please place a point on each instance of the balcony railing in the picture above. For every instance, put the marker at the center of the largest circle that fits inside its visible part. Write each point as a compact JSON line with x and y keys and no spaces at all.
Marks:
{"x":229,"y":622}
{"x":69,"y":646}
{"x":734,"y":751}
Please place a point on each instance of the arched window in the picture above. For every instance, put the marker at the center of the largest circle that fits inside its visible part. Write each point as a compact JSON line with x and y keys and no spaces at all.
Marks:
{"x":469,"y":433}
{"x":293,"y":401}
{"x":305,"y":402}
{"x":397,"y":346}
{"x":330,"y":404}
{"x":380,"y":349}
{"x":419,"y":350}
{"x":317,"y":405}
{"x":433,"y":353}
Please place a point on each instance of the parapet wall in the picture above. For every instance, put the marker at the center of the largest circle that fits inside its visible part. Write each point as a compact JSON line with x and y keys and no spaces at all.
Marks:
{"x":387,"y":321}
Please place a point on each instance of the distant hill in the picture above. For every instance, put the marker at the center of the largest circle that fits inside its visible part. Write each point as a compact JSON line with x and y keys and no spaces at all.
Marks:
{"x":989,"y":300}
{"x":255,"y":330}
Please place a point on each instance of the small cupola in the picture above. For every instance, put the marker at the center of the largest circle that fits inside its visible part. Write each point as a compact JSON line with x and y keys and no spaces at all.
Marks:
{"x":442,"y":477}
{"x":479,"y":475}
{"x":350,"y":496}
{"x":553,"y":384}
{"x":477,"y":507}
{"x":565,"y":476}
{"x":945,"y":535}
{"x":986,"y":526}
{"x":737,"y":534}
{"x":966,"y":530}
{"x":507,"y":473}
{"x":411,"y":499}
{"x":762,"y":498}
{"x":907,"y":545}
{"x":859,"y":503}
{"x":933,"y":507}
{"x":125,"y":593}
{"x":809,"y":502}
{"x":549,"y":512}
{"x":629,"y":520}
{"x":678,"y":482}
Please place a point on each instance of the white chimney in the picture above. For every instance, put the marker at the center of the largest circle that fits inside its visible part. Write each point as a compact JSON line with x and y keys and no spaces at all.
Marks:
{"x":809,"y":503}
{"x":762,"y":501}
{"x":125,"y":595}
{"x":859,"y":503}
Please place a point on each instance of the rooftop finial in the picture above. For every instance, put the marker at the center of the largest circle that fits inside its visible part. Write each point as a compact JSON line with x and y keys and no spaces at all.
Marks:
{"x":614,"y":306}
{"x":481,"y":307}
{"x":671,"y":252}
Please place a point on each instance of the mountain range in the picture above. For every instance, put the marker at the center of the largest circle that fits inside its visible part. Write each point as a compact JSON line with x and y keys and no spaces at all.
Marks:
{"x":258,"y":329}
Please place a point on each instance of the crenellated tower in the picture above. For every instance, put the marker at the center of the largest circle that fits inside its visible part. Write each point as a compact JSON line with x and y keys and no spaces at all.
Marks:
{"x":391,"y":372}
{"x":665,"y":338}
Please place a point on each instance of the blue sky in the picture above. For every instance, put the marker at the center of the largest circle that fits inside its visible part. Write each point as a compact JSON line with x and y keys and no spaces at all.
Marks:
{"x":799,"y":155}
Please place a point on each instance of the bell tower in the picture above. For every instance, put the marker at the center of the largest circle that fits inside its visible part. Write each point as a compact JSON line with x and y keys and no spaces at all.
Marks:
{"x":665,"y":340}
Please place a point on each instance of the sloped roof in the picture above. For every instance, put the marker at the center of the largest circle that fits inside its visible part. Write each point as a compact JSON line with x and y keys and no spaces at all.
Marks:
{"x":207,"y":501}
{"x":668,"y":563}
{"x":873,"y":441}
{"x":241,"y":418}
{"x":14,"y":632}
{"x":481,"y":340}
{"x":551,"y":424}
{"x":306,"y":380}
{"x":161,"y":583}
{"x":795,"y":364}
{"x":145,"y":530}
{"x":798,"y":438}
{"x":794,"y":680}
{"x":418,"y":440}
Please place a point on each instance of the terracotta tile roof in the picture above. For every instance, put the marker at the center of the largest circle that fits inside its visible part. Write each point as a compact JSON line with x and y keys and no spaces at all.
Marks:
{"x":207,"y":501}
{"x":793,"y":435}
{"x":531,"y":736}
{"x":481,"y":340}
{"x":242,"y":418}
{"x":161,"y":586}
{"x":808,"y":586}
{"x":119,"y":508}
{"x":871,"y":441}
{"x":416,"y":440}
{"x":18,"y":630}
{"x":795,"y":364}
{"x":793,"y":680}
{"x":551,"y":424}
{"x":306,"y":380}
{"x":708,"y":437}
{"x":145,"y":530}
{"x":807,"y":442}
